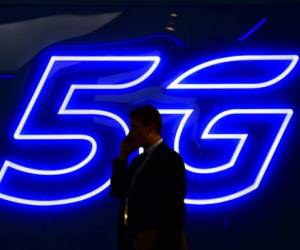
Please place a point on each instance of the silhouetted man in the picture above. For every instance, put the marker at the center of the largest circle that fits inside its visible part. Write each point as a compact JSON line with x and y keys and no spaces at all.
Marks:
{"x":151,"y":189}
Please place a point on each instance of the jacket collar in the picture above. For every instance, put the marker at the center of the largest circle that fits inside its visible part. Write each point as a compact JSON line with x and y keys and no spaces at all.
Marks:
{"x":151,"y":148}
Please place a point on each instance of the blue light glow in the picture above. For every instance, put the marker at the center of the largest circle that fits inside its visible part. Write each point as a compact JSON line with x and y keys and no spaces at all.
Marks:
{"x":253,"y":29}
{"x":64,"y":111}
{"x":241,"y":138}
{"x":178,"y":84}
{"x":178,"y":108}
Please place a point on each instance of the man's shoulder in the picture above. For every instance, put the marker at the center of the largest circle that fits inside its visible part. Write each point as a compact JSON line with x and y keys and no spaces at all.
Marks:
{"x":167,"y":151}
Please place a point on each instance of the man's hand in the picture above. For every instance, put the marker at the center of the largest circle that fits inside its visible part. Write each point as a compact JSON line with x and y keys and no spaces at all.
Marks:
{"x":128,"y":146}
{"x":146,"y":240}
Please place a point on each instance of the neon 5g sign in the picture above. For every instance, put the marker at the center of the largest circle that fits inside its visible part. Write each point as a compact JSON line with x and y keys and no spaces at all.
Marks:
{"x":69,"y":101}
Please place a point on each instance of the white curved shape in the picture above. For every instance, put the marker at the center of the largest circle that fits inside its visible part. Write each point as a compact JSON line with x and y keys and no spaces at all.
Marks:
{"x":206,"y":135}
{"x":64,"y":111}
{"x":288,"y":114}
{"x":177,"y":83}
{"x":56,"y":202}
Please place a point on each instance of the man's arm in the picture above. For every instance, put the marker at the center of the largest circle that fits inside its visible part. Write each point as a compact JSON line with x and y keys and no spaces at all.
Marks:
{"x":146,"y":240}
{"x":121,"y":175}
{"x":119,"y":183}
{"x":173,"y":193}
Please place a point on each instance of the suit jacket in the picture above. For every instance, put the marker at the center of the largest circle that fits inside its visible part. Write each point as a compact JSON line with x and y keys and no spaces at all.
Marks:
{"x":156,"y":200}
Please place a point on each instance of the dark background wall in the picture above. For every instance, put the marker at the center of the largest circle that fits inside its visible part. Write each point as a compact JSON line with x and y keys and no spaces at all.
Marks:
{"x":266,"y":219}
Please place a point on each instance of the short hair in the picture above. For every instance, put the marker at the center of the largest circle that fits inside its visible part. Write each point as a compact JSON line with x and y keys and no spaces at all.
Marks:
{"x":146,"y":115}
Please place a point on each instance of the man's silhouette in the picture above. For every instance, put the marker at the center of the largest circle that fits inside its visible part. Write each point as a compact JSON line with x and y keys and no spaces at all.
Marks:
{"x":151,"y":189}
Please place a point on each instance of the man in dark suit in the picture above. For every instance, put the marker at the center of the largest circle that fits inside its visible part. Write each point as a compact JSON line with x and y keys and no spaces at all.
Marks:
{"x":151,"y":189}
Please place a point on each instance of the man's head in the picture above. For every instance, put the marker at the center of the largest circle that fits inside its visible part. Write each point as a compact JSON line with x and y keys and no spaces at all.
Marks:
{"x":145,"y":123}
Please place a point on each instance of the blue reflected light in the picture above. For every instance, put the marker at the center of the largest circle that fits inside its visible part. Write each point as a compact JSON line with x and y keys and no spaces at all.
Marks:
{"x":66,"y":106}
